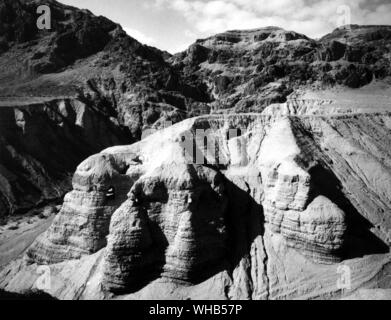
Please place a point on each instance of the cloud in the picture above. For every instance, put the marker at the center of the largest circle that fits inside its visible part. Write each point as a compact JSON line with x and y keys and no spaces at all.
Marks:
{"x":190,"y":34}
{"x":179,"y":47}
{"x":314,"y":18}
{"x":140,"y":36}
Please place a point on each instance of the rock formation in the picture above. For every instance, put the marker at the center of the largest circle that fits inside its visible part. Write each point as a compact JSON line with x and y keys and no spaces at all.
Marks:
{"x":86,"y":210}
{"x":310,"y":188}
{"x":80,"y":87}
{"x":126,"y":87}
{"x":282,"y":180}
{"x":41,"y":143}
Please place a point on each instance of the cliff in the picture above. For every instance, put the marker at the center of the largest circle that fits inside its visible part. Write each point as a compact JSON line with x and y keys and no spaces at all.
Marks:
{"x":265,"y":212}
{"x":126,"y":87}
{"x":274,"y":178}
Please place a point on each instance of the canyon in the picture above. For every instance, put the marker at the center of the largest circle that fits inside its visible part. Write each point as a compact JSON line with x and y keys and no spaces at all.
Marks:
{"x":301,"y":196}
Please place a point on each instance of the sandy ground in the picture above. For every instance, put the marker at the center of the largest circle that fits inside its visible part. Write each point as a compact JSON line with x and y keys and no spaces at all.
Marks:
{"x":19,"y":233}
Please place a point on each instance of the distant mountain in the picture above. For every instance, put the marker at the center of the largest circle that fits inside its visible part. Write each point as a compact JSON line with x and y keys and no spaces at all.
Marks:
{"x":248,"y":70}
{"x":69,"y":92}
{"x":293,"y":205}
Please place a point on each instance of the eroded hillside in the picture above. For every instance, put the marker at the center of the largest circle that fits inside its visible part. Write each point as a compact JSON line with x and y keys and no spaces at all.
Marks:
{"x":269,"y":208}
{"x":275,"y":176}
{"x":85,"y":85}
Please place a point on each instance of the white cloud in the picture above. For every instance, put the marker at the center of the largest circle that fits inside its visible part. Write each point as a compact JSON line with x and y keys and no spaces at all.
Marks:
{"x":140,"y":36}
{"x":190,"y":34}
{"x":179,"y":47}
{"x":311,"y":17}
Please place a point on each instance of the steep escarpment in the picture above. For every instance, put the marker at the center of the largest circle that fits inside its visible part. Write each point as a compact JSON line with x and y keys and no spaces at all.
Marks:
{"x":187,"y":244}
{"x":248,"y":70}
{"x":99,"y":188}
{"x":131,"y":87}
{"x":89,"y":57}
{"x":71,"y":91}
{"x":42,"y":143}
{"x":228,"y":205}
{"x":262,"y":206}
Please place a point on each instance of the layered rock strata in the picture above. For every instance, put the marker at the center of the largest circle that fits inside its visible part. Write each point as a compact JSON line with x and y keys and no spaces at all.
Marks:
{"x":99,"y":188}
{"x":41,"y":143}
{"x":278,"y":183}
{"x":127,"y":87}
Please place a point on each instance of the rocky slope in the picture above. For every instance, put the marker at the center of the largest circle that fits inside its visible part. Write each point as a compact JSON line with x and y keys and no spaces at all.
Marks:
{"x":122,"y":87}
{"x":71,"y":91}
{"x":248,"y":70}
{"x":270,"y":208}
{"x":281,"y":183}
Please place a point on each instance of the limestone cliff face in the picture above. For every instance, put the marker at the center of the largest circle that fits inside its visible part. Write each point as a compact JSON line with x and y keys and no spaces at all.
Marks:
{"x":294,"y":205}
{"x":82,"y":225}
{"x":173,"y":225}
{"x":226,"y":205}
{"x":247,"y":70}
{"x":72,"y":91}
{"x":127,"y":87}
{"x":41,"y":143}
{"x":299,"y":194}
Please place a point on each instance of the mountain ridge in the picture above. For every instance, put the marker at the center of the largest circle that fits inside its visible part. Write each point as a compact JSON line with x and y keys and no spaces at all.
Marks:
{"x":123,"y":87}
{"x":268,"y":174}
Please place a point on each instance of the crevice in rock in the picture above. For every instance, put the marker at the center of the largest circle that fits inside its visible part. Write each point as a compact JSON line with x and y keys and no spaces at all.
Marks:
{"x":266,"y":271}
{"x":359,"y":240}
{"x":245,"y":222}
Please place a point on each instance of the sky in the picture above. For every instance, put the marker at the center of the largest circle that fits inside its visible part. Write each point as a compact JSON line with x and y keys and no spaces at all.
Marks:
{"x":173,"y":25}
